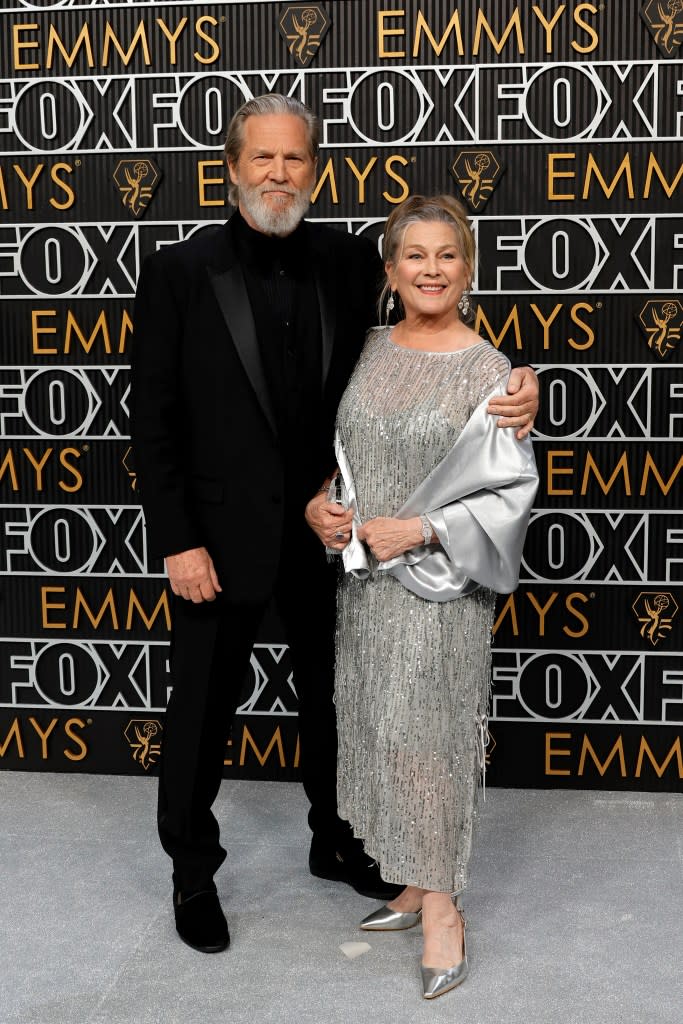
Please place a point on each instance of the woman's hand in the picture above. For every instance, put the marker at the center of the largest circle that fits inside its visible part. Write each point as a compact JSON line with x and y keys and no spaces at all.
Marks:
{"x":387,"y":538}
{"x":328,"y":521}
{"x":519,"y":407}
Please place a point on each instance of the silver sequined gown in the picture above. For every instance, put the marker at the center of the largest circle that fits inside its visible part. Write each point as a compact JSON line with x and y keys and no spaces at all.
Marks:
{"x":412,"y":676}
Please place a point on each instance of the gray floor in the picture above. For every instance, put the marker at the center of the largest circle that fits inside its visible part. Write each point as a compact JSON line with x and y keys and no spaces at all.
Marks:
{"x":574,"y":914}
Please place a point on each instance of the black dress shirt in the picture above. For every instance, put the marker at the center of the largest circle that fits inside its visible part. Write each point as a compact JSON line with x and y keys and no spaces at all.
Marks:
{"x":281,"y":286}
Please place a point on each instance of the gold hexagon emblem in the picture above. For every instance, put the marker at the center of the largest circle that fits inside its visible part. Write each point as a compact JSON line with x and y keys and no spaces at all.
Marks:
{"x":136,"y":181}
{"x":489,"y":748}
{"x":127,"y":463}
{"x":655,"y":611}
{"x":664,"y":19}
{"x":662,"y":321}
{"x":303,"y":27}
{"x":144,"y":739}
{"x":477,"y":172}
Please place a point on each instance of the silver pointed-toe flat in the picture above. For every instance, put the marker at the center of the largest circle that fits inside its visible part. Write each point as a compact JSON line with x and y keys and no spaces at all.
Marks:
{"x":387,"y":920}
{"x":438,"y":980}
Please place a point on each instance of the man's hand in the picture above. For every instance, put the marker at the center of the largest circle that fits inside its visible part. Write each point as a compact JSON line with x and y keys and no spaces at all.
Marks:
{"x":192,"y":575}
{"x":519,"y":407}
{"x":328,"y":520}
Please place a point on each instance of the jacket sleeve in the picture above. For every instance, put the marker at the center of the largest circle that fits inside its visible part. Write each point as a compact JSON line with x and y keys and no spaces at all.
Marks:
{"x":157,"y":410}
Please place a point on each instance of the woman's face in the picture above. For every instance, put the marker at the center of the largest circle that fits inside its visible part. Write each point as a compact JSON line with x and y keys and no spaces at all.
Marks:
{"x":430,"y":274}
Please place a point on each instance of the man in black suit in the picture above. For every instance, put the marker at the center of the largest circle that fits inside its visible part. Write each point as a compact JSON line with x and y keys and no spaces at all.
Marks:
{"x":245,"y":337}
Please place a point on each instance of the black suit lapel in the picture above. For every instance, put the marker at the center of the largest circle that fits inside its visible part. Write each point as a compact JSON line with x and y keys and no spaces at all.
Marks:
{"x":231,"y":292}
{"x":324,"y":272}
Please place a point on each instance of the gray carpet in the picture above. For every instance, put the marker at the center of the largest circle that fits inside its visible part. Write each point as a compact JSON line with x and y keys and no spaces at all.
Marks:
{"x":574,"y":914}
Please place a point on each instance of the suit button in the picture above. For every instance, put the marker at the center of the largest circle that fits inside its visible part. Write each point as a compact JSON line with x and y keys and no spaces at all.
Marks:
{"x":277,"y":499}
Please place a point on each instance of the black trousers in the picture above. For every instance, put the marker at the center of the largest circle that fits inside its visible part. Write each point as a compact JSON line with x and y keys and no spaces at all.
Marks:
{"x":211,"y":647}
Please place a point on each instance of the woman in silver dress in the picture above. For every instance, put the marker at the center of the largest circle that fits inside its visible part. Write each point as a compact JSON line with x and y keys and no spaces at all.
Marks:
{"x":440,"y":500}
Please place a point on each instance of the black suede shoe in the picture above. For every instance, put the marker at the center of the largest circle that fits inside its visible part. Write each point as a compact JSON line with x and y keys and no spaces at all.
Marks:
{"x":200,"y":921}
{"x":350,"y":863}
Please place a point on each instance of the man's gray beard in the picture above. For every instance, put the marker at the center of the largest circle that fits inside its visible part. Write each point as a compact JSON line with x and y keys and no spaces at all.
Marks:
{"x":281,"y":219}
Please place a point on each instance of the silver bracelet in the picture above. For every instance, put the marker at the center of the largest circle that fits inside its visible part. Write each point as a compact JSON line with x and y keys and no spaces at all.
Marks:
{"x":426,"y":527}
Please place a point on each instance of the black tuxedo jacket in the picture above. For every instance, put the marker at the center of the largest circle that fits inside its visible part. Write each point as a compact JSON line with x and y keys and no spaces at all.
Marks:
{"x":207,"y":454}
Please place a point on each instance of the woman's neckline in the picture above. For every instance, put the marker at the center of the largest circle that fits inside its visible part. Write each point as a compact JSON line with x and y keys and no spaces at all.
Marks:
{"x":431,"y":351}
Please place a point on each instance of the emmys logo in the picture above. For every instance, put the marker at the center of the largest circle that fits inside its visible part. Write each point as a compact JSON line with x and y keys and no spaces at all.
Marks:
{"x":140,"y":733}
{"x":136,"y":180}
{"x":127,"y":463}
{"x":489,"y":748}
{"x":303,"y":27}
{"x":477,"y":172}
{"x":655,"y":611}
{"x":661,"y":321}
{"x":664,"y":18}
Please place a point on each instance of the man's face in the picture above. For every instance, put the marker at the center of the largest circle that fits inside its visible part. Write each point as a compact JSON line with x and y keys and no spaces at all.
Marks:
{"x":274,"y":173}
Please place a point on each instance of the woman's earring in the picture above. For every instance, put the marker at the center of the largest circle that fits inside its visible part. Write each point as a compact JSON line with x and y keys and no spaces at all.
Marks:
{"x":390,"y":305}
{"x":464,"y":303}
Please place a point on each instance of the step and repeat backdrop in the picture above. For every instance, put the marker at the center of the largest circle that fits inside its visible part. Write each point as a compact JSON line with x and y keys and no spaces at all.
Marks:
{"x":560,"y":126}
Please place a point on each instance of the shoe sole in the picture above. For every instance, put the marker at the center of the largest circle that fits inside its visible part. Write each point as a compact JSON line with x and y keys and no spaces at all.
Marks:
{"x":386,"y":929}
{"x":339,"y":876}
{"x":206,"y":949}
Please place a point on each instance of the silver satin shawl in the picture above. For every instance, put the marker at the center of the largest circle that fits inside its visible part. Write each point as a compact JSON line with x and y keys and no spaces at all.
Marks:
{"x":478,"y":500}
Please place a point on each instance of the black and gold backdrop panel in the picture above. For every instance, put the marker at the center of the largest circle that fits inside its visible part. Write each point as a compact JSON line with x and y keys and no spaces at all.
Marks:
{"x":560,"y":126}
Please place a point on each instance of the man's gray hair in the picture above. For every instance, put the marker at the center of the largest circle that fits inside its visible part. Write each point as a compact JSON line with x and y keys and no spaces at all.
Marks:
{"x":270,"y":103}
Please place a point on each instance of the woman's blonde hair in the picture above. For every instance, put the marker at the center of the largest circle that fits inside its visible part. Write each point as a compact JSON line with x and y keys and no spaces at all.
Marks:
{"x":419,"y":209}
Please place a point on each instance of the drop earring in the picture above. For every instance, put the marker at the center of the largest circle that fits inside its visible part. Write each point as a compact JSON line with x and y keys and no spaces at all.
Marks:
{"x":390,"y":305}
{"x":464,"y":303}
